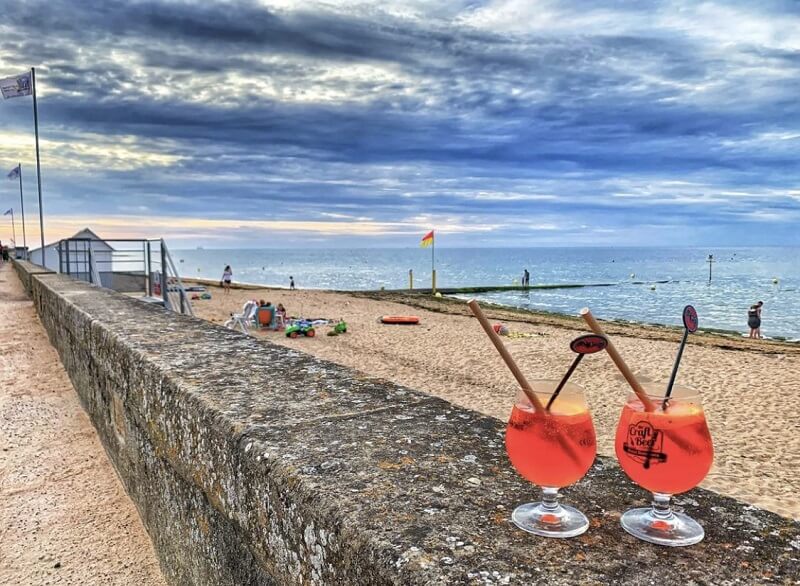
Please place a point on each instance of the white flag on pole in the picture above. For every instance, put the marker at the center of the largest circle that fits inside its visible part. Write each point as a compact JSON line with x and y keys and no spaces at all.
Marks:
{"x":16,"y":86}
{"x":14,"y":173}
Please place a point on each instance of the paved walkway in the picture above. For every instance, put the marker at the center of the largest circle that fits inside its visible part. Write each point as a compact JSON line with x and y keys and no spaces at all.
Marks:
{"x":64,"y":516}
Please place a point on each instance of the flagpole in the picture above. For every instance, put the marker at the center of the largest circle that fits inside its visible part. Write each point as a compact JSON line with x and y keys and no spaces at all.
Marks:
{"x":38,"y":163}
{"x":13,"y":231}
{"x":22,"y":211}
{"x":433,"y":263}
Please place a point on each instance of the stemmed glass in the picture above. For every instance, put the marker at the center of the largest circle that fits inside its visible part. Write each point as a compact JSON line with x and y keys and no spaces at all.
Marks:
{"x":552,"y":449}
{"x":666,"y":451}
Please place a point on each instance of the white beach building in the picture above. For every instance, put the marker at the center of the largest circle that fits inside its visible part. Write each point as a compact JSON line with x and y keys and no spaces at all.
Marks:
{"x":74,"y":260}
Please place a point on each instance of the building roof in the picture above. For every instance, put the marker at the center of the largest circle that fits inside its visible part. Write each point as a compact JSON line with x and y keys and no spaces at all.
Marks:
{"x":86,"y":233}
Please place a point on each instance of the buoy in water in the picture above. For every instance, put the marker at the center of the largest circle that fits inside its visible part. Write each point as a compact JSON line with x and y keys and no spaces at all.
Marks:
{"x":652,"y":287}
{"x":633,"y":275}
{"x":775,"y":281}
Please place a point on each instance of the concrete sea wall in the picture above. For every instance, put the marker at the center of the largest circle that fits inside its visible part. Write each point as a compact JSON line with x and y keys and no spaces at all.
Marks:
{"x":256,"y":464}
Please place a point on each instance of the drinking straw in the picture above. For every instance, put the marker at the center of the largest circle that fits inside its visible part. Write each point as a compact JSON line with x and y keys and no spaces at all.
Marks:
{"x":689,"y":325}
{"x":506,"y":356}
{"x":626,"y":372}
{"x":672,"y":376}
{"x":615,"y":356}
{"x":563,"y":382}
{"x":521,"y":380}
{"x":582,"y":345}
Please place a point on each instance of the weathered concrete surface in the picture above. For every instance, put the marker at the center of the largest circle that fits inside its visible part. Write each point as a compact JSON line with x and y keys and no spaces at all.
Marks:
{"x":256,"y":464}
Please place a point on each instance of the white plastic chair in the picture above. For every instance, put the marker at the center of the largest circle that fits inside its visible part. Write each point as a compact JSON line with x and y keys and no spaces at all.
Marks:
{"x":244,"y":319}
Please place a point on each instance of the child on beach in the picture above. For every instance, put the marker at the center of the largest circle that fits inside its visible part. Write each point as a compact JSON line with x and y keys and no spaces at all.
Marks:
{"x":227,"y":277}
{"x":291,"y":283}
{"x":754,"y":320}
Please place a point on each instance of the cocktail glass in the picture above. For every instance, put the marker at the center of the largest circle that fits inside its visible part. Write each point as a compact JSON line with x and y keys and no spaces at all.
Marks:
{"x":666,"y":451}
{"x":552,"y":449}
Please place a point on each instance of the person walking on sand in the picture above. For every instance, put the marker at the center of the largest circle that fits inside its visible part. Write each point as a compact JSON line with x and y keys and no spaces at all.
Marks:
{"x":227,"y":277}
{"x":754,"y":320}
{"x":291,"y":283}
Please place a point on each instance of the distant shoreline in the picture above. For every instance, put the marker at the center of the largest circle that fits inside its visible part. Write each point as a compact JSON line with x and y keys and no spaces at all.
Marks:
{"x":422,"y":299}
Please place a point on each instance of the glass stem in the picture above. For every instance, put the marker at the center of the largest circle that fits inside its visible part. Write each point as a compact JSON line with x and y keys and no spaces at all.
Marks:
{"x":550,"y":499}
{"x":661,"y":507}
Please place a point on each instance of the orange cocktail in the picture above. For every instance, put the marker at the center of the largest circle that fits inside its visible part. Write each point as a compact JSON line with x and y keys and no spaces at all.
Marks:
{"x":542,"y":448}
{"x":649,"y":454}
{"x":666,"y":451}
{"x":552,"y":449}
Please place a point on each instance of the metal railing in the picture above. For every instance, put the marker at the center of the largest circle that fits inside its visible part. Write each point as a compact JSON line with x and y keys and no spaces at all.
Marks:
{"x":129,"y":266}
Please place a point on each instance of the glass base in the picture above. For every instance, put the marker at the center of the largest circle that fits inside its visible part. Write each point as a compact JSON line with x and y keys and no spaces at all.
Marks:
{"x":559,"y":521}
{"x":672,"y":529}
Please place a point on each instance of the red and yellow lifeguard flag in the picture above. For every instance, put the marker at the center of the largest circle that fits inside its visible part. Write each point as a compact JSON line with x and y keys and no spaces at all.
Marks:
{"x":427,"y":240}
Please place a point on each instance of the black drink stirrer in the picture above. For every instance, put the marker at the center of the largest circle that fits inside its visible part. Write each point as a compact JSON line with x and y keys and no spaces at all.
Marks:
{"x":690,"y":323}
{"x":582,"y":345}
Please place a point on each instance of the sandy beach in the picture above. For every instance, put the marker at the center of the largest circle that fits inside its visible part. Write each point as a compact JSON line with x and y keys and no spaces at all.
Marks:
{"x":748,"y":387}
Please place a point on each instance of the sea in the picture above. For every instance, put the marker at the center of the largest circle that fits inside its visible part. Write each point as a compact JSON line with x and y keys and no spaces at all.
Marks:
{"x":647,"y":285}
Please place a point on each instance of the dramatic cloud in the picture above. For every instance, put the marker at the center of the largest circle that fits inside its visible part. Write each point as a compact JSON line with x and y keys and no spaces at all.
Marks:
{"x":506,"y":122}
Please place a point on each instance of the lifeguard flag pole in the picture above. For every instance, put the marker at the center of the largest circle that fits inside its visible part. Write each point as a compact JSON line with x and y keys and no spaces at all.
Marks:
{"x":427,"y":241}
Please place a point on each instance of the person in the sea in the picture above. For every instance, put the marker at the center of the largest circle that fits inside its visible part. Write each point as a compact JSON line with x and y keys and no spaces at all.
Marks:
{"x":227,"y":277}
{"x":754,"y":319}
{"x":291,"y":283}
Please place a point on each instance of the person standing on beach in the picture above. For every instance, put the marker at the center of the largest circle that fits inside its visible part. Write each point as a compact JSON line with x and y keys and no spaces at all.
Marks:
{"x":291,"y":283}
{"x":527,"y":282}
{"x":754,"y":320}
{"x":227,"y":277}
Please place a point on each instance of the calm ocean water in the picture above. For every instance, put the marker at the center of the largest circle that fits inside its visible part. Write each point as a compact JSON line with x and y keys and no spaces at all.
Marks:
{"x":741,"y":276}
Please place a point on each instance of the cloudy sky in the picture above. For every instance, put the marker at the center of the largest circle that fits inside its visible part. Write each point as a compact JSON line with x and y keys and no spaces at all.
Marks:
{"x":351,"y":123}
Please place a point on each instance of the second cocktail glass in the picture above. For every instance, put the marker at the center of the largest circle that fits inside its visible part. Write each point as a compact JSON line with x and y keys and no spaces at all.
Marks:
{"x":552,"y":449}
{"x":666,"y":451}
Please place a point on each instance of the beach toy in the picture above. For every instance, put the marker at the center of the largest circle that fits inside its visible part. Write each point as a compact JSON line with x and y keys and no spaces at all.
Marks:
{"x":300,"y":328}
{"x":404,"y":320}
{"x":582,"y":345}
{"x":195,"y":296}
{"x":205,"y":296}
{"x":690,"y":323}
{"x":500,"y":329}
{"x":341,"y":327}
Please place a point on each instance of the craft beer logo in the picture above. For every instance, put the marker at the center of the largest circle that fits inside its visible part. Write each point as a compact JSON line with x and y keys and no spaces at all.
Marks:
{"x":645,"y":444}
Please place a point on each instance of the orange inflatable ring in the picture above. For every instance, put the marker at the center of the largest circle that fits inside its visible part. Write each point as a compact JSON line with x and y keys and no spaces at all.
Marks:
{"x":400,"y":319}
